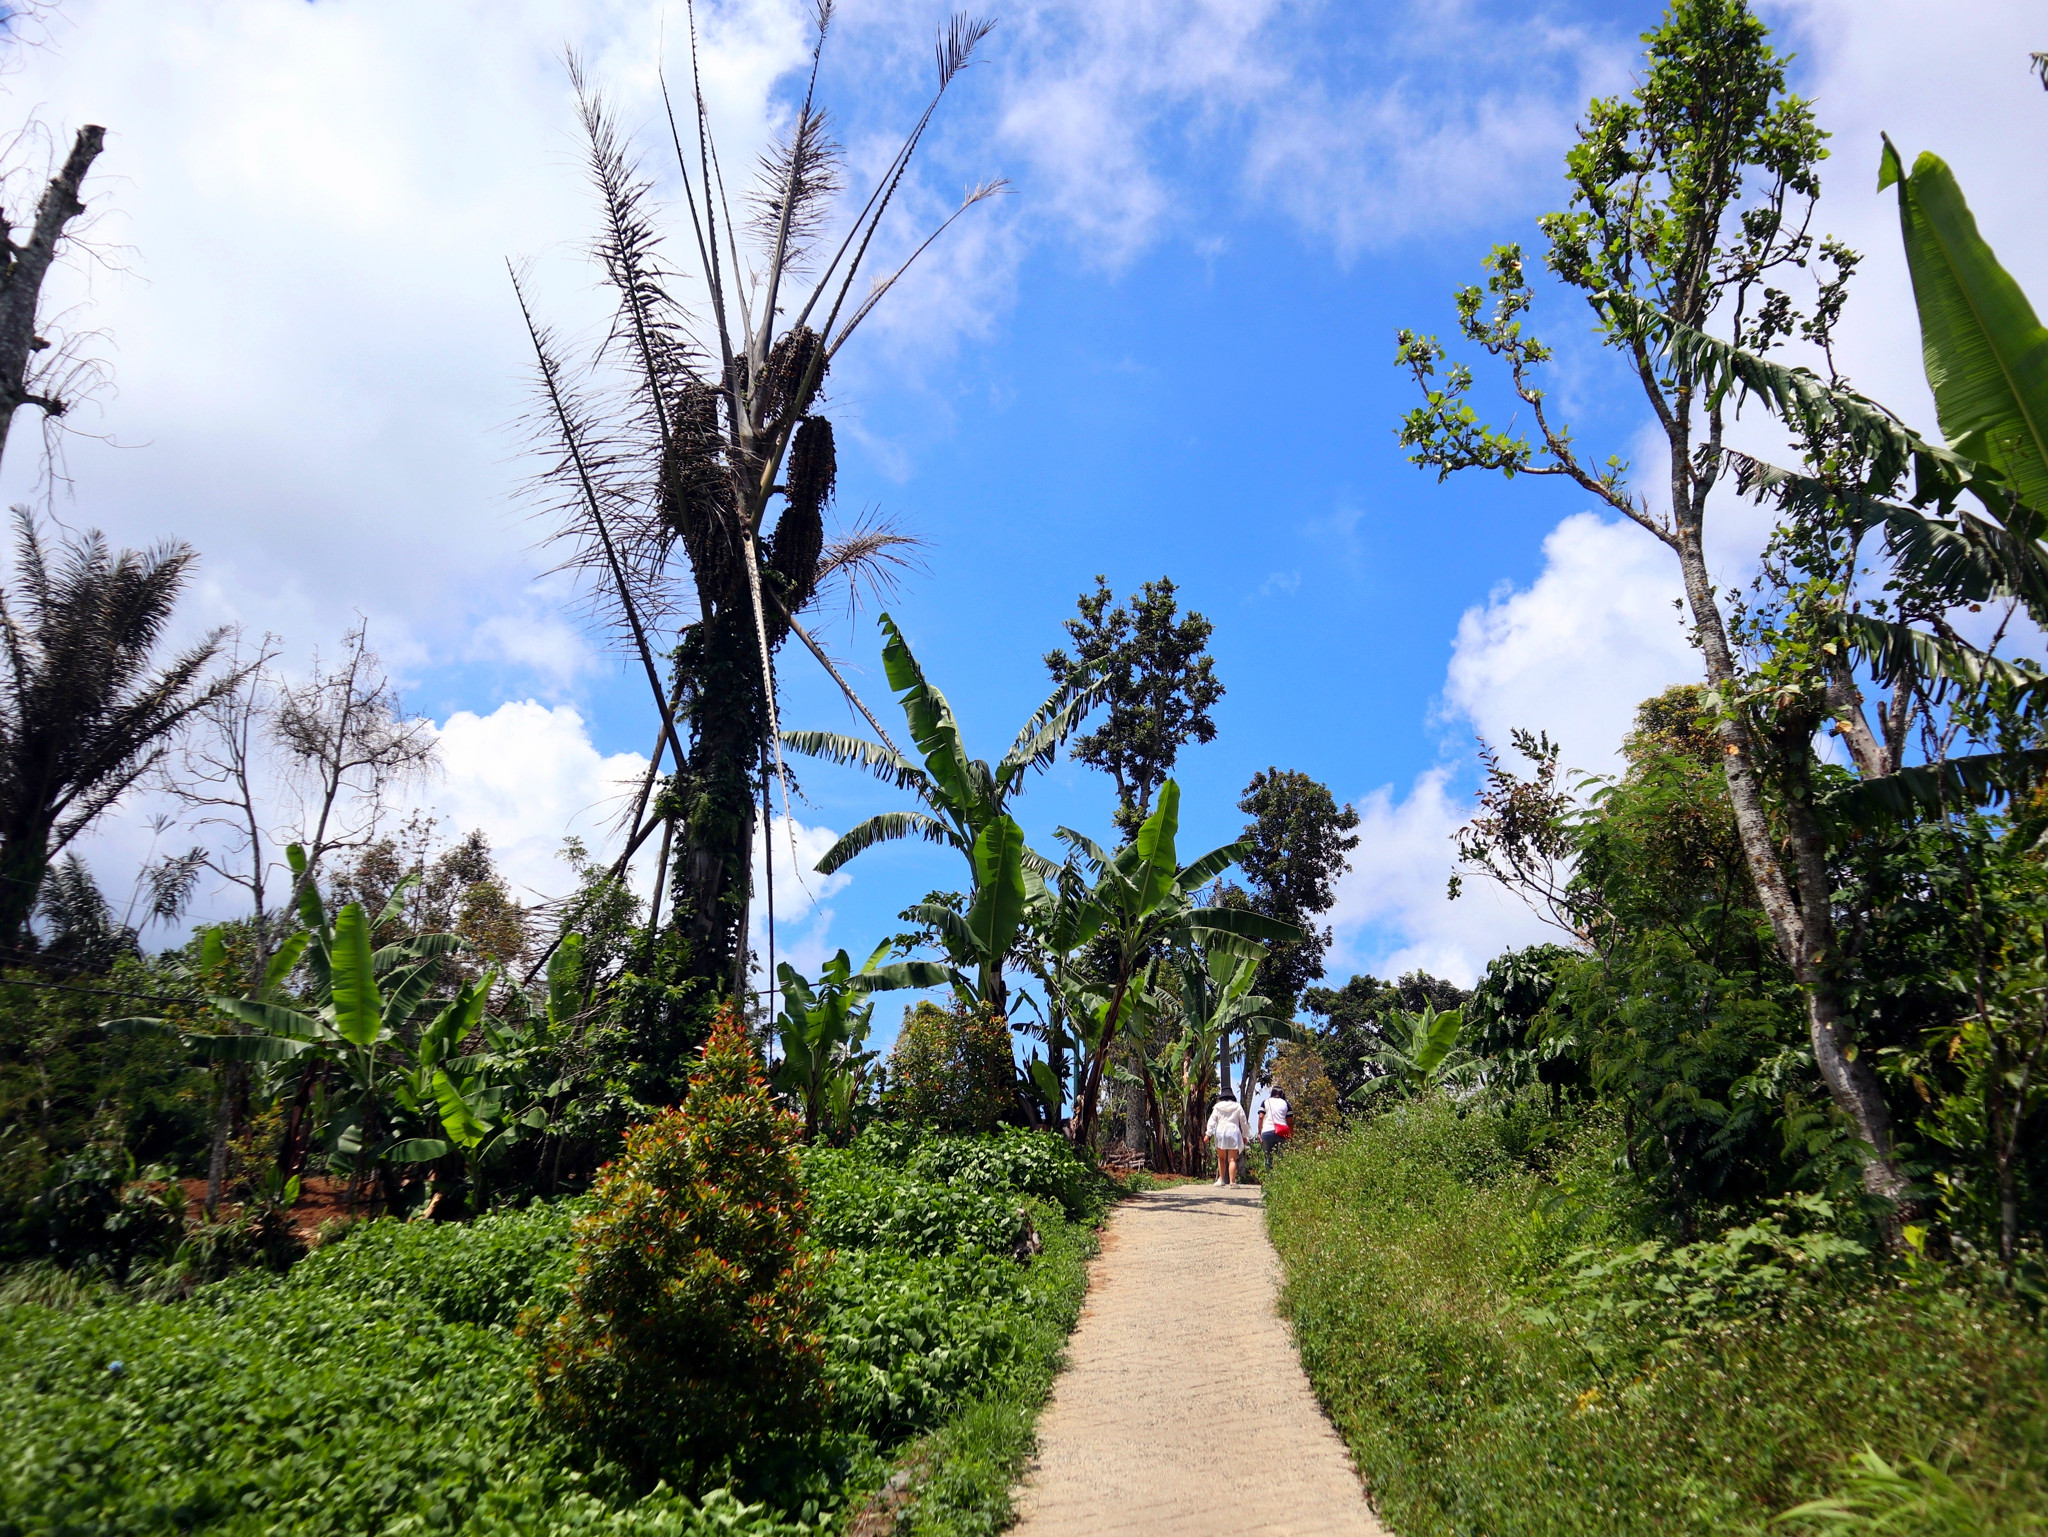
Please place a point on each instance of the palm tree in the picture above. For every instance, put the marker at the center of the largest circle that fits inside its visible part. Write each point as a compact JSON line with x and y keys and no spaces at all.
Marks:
{"x":691,"y":482}
{"x":82,"y":714}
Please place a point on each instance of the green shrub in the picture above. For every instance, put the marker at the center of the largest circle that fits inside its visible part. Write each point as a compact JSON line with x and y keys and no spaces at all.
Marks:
{"x":908,"y":1336}
{"x":99,"y":1214}
{"x":1508,"y":1352}
{"x":1039,"y":1163}
{"x":952,"y":1070}
{"x":484,"y":1272}
{"x":690,"y":1327}
{"x":858,"y":1204}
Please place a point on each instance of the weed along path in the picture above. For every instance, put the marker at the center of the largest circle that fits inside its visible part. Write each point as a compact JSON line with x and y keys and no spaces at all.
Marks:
{"x":1184,"y":1411}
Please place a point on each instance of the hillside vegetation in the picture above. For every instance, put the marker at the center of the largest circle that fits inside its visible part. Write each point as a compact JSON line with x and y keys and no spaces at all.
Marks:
{"x":1511,"y":1344}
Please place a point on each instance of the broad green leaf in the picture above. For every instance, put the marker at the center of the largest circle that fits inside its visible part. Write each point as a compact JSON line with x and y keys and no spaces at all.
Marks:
{"x":930,"y":719}
{"x":213,"y":949}
{"x":249,"y":1048}
{"x":312,"y":914}
{"x":137,"y":1025}
{"x":858,"y":752}
{"x":404,"y":993}
{"x":358,"y":1010}
{"x":394,"y":905}
{"x":416,"y":1150}
{"x":953,"y":931}
{"x":414,"y":948}
{"x":1051,"y":724}
{"x":900,"y":975}
{"x":1047,"y":1083}
{"x":1985,"y":351}
{"x":1975,"y":780}
{"x":565,"y":980}
{"x":1000,"y":894}
{"x":459,"y":1119}
{"x":886,"y":827}
{"x":1157,"y":868}
{"x":454,"y":1023}
{"x":1242,"y":925}
{"x":1212,"y":864}
{"x":1896,"y":649}
{"x":282,"y":963}
{"x":1085,"y":846}
{"x":274,"y":1018}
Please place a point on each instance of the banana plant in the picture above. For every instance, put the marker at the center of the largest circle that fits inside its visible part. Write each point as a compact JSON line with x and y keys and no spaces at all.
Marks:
{"x":360,"y":1029}
{"x":1062,"y":920}
{"x":982,"y":938}
{"x":1147,"y":902}
{"x":824,"y":1027}
{"x":964,"y":802}
{"x":1427,"y":1053}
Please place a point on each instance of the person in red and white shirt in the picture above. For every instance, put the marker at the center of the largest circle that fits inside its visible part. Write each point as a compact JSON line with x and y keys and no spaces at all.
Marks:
{"x":1273,"y":1128}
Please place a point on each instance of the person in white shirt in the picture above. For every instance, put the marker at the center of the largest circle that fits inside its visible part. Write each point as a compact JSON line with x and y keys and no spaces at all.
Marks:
{"x":1229,"y":1130}
{"x":1272,"y":1124}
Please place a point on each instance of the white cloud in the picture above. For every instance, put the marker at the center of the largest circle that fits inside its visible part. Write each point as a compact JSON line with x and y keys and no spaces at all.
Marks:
{"x":1575,"y":652}
{"x":1572,"y":654}
{"x":528,"y":776}
{"x":1393,"y":914}
{"x":1363,"y":127}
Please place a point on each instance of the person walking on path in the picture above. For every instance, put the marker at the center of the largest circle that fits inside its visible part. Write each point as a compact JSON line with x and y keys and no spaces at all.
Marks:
{"x":1273,"y":1128}
{"x":1230,"y":1131}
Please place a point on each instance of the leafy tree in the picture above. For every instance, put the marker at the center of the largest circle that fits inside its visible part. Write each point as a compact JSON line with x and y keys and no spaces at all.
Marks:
{"x":951,"y":1069}
{"x":82,"y":714}
{"x":1299,"y":1076}
{"x":1159,"y":682}
{"x":83,"y":934}
{"x":1298,"y":841}
{"x":1690,"y":200}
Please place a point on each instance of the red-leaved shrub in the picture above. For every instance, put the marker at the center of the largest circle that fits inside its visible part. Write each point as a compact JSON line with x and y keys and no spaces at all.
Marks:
{"x":692,"y":1322}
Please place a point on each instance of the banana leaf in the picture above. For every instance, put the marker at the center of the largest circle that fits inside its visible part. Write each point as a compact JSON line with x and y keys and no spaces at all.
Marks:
{"x":1985,"y":351}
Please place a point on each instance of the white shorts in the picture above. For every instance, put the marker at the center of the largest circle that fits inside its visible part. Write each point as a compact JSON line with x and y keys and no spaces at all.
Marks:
{"x":1229,"y":1142}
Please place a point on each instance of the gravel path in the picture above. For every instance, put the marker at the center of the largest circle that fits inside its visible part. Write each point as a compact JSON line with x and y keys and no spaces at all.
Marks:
{"x":1183,"y":1410}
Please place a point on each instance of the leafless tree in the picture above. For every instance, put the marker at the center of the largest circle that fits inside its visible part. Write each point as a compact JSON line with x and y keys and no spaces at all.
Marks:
{"x":348,"y":747}
{"x":220,"y":779}
{"x":34,"y":371}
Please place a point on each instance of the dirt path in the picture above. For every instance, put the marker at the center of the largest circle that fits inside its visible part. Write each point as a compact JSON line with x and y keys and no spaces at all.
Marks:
{"x":1183,"y":1410}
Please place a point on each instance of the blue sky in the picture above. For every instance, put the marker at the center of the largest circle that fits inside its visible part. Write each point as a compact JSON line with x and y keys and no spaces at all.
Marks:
{"x":1166,"y":353}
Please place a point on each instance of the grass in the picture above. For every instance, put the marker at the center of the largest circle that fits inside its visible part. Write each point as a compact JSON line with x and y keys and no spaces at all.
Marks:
{"x":380,"y":1387}
{"x":1444,"y":1278}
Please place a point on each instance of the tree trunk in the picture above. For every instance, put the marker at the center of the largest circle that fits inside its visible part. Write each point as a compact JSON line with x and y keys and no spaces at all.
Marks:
{"x":217,"y":1153}
{"x":1802,"y":921}
{"x":21,"y":278}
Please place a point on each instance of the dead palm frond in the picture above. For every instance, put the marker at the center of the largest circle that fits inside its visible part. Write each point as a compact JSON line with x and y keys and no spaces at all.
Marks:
{"x":667,"y":458}
{"x":875,"y":552}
